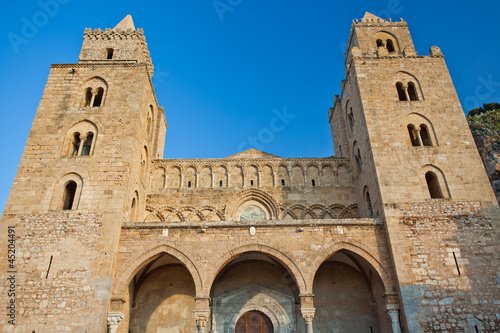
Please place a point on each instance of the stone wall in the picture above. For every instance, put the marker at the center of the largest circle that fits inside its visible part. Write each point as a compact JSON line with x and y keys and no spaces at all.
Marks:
{"x":56,"y":275}
{"x":454,"y":267}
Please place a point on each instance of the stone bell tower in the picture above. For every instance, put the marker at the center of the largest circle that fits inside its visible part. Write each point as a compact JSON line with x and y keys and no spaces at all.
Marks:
{"x":83,"y":173}
{"x":415,"y":164}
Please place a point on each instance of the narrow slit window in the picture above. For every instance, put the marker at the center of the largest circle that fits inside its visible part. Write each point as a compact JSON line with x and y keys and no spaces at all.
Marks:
{"x":220,"y":183}
{"x":87,"y":144}
{"x":413,"y":135}
{"x":358,"y":159}
{"x":189,"y":183}
{"x":424,"y":135}
{"x":456,"y":263}
{"x":76,"y":143}
{"x":282,"y":182}
{"x":69,"y":195}
{"x":98,"y":97}
{"x":313,"y":182}
{"x":251,"y":183}
{"x":48,"y":269}
{"x":369,"y":204}
{"x":109,"y":53}
{"x":390,"y":46}
{"x":433,"y":185}
{"x":401,"y":91}
{"x":412,"y":92}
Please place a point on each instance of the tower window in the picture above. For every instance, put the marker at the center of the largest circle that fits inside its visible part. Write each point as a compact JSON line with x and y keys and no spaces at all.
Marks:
{"x":220,"y":183}
{"x":109,"y":53}
{"x":369,"y":204}
{"x":433,"y":185}
{"x":424,"y":135}
{"x":313,"y":182}
{"x":401,"y":91}
{"x":351,"y":119}
{"x":412,"y":92}
{"x":380,"y":43}
{"x":413,"y":135}
{"x":282,"y":182}
{"x":251,"y":183}
{"x":189,"y":183}
{"x":87,"y":144}
{"x":98,"y":97}
{"x":358,"y":159}
{"x":88,"y":96}
{"x":76,"y":143}
{"x":69,"y":195}
{"x":390,"y":46}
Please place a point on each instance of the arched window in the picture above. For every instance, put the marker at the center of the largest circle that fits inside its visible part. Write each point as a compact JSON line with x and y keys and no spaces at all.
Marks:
{"x":69,"y":195}
{"x":133,"y":206}
{"x":424,"y":136}
{"x":76,"y":143}
{"x":98,"y":97}
{"x":359,"y":162}
{"x":401,"y":91}
{"x":413,"y":135}
{"x":88,"y":96}
{"x":412,"y":92}
{"x":380,"y":43}
{"x":369,"y":204}
{"x":390,"y":46}
{"x":351,"y":119}
{"x":433,"y":185}
{"x":87,"y":144}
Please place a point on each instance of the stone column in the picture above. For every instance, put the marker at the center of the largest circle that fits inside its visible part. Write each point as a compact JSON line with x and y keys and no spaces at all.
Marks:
{"x":419,"y":139}
{"x":197,"y":179}
{"x":114,"y":319}
{"x":405,"y":87}
{"x":259,"y":175}
{"x":202,"y":313}
{"x":228,"y":179}
{"x":320,"y":178}
{"x":275,"y":178}
{"x":289,"y":178}
{"x":393,"y":312}
{"x":307,"y":309}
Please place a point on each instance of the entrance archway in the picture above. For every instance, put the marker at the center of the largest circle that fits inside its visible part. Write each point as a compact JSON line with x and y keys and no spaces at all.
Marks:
{"x":254,"y":322}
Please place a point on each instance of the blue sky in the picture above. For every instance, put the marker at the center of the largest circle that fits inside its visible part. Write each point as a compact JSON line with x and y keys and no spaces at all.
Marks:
{"x":226,"y":68}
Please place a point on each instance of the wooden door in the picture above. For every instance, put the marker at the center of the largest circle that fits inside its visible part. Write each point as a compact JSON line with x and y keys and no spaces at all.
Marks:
{"x":254,"y":322}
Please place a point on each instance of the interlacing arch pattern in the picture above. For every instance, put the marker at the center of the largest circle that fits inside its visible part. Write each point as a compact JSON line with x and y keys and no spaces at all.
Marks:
{"x":211,"y":213}
{"x":184,"y":213}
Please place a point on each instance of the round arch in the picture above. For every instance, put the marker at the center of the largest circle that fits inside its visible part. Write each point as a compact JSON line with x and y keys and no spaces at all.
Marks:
{"x":154,"y":252}
{"x":357,"y":248}
{"x":255,"y":195}
{"x":280,"y":255}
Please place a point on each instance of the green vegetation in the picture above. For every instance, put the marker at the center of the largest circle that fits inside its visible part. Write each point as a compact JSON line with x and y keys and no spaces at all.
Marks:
{"x":485,"y":121}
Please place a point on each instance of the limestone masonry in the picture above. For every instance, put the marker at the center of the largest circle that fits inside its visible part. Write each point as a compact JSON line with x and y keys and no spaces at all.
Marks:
{"x":399,"y":232}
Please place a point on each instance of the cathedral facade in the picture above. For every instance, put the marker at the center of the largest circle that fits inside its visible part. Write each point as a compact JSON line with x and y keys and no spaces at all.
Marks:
{"x":398,"y":232}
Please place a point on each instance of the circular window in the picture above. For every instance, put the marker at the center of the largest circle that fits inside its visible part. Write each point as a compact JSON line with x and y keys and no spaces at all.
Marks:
{"x":252,"y":213}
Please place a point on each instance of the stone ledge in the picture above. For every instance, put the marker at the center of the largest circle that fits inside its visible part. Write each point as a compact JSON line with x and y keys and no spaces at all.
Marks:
{"x":265,"y":224}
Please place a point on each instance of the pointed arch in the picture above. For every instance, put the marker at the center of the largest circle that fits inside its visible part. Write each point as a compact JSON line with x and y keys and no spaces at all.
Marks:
{"x":352,"y":246}
{"x":262,"y":247}
{"x":131,"y":267}
{"x":250,"y":197}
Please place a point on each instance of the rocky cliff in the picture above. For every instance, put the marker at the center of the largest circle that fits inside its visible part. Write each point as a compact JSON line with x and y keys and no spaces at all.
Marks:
{"x":485,"y":126}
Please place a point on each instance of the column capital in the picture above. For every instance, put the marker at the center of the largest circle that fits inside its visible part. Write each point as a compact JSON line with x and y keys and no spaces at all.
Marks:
{"x":114,"y":320}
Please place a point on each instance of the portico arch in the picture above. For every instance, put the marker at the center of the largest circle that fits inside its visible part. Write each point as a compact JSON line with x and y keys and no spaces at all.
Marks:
{"x":279,"y":255}
{"x":142,"y":260}
{"x":357,"y":248}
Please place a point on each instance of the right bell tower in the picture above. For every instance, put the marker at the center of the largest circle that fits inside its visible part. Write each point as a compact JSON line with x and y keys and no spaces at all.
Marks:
{"x":415,"y":166}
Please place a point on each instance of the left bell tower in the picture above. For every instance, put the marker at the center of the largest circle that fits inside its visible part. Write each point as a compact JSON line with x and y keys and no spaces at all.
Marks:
{"x":84,"y":171}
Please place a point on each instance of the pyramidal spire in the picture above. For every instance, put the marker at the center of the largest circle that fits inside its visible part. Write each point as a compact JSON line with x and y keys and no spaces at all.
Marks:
{"x":125,"y":24}
{"x":370,"y":17}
